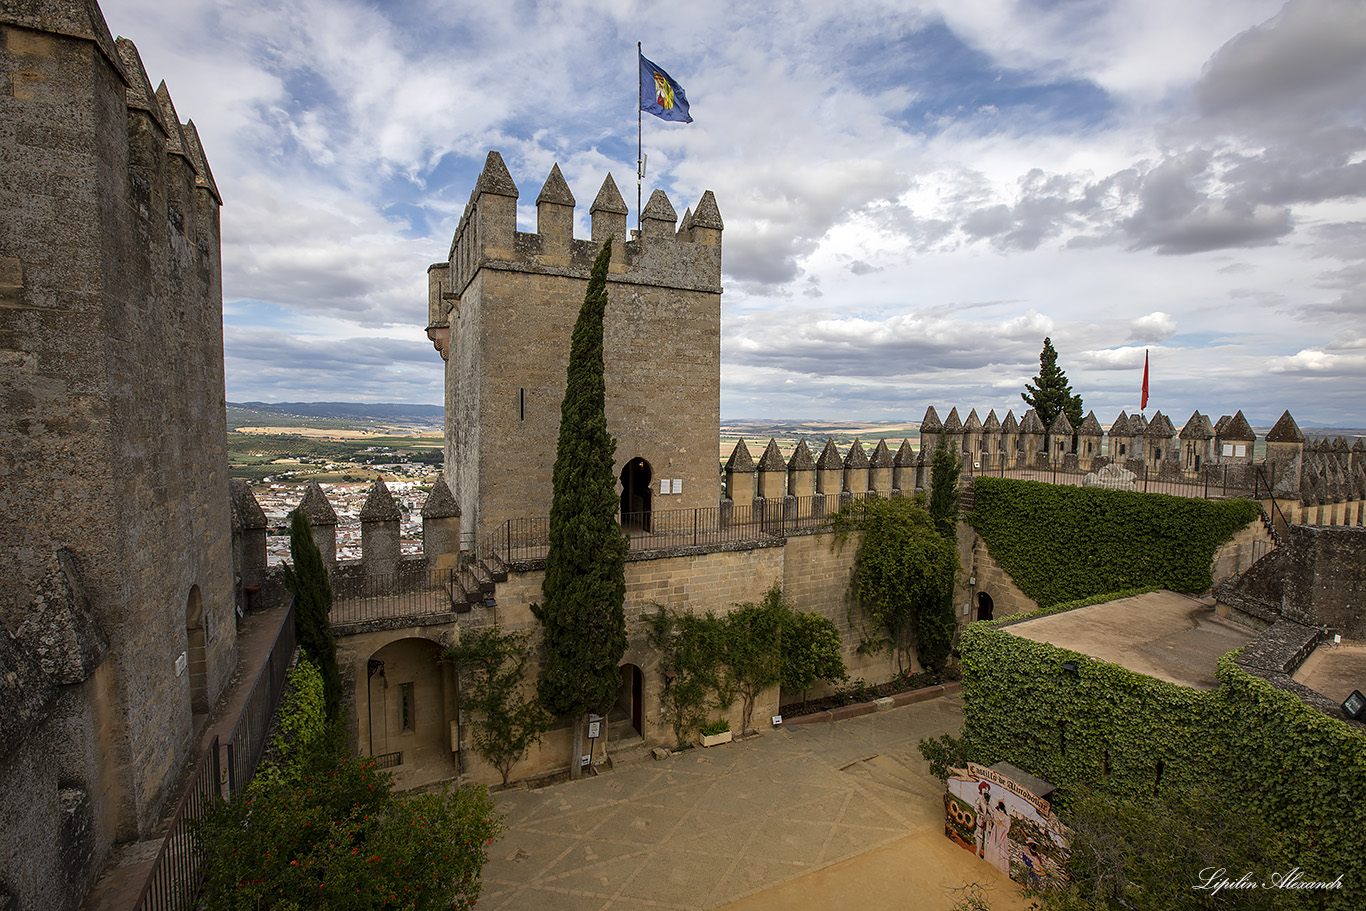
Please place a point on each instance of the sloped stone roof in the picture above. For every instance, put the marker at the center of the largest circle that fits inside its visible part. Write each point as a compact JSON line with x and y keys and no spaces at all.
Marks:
{"x":609,"y":199}
{"x":495,"y":179}
{"x":1120,"y":426}
{"x":555,"y":190}
{"x":1009,"y":424}
{"x":1197,"y":428}
{"x":953,"y":423}
{"x":801,"y":458}
{"x":830,"y":457}
{"x":1061,"y":426}
{"x":246,"y":512}
{"x":440,"y":503}
{"x":856,"y":458}
{"x":1031,"y":422}
{"x":881,"y":457}
{"x":707,"y":214}
{"x":659,"y":208}
{"x":315,"y":507}
{"x":1090,"y":426}
{"x":905,"y":456}
{"x":992,"y":424}
{"x":379,"y":504}
{"x":1160,"y":427}
{"x":772,"y":459}
{"x":1285,"y":431}
{"x":740,"y":459}
{"x":973,"y":423}
{"x":930,"y":423}
{"x":59,"y":628}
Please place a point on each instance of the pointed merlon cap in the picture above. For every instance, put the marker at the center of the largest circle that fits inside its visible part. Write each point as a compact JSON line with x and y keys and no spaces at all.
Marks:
{"x":77,"y":18}
{"x":905,"y":456}
{"x":1009,"y":424}
{"x":440,"y":504}
{"x":830,"y":457}
{"x":1197,"y":428}
{"x":556,"y":191}
{"x":315,"y":506}
{"x":659,"y":208}
{"x":139,"y":93}
{"x":772,"y":459}
{"x":1137,"y":424}
{"x":740,"y":459}
{"x":1285,"y":431}
{"x":1340,"y":444}
{"x":1031,"y":423}
{"x":1221,"y":425}
{"x":992,"y":424}
{"x":379,"y":505}
{"x":175,"y":139}
{"x":246,"y":512}
{"x":930,"y":422}
{"x":495,"y":178}
{"x":1160,"y":427}
{"x":1090,"y":426}
{"x":881,"y":457}
{"x":1238,"y":430}
{"x":200,"y":161}
{"x":1120,"y":427}
{"x":953,"y":423}
{"x":29,"y":694}
{"x":609,"y":199}
{"x":856,"y":458}
{"x":1061,"y":426}
{"x":801,"y":458}
{"x":973,"y":423}
{"x":707,"y":214}
{"x":686,"y":223}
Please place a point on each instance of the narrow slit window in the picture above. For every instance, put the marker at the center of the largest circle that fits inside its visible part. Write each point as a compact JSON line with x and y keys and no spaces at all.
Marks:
{"x":405,"y":696}
{"x":521,"y":404}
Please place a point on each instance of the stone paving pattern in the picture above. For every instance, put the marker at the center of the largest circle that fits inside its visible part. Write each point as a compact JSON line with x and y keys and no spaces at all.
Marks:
{"x":706,"y":827}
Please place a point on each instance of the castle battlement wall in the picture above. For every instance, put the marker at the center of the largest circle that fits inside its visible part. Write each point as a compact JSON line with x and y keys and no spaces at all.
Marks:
{"x":116,"y":539}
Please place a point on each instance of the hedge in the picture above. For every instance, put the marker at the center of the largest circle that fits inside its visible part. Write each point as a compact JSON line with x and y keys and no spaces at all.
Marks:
{"x":1061,"y":543}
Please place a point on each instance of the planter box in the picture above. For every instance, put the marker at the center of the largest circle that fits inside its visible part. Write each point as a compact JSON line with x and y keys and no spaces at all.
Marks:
{"x":711,"y":740}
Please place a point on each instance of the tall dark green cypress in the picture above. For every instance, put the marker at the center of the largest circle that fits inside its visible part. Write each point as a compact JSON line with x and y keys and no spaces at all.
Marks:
{"x":307,"y":579}
{"x":1050,"y":394}
{"x":585,"y":568}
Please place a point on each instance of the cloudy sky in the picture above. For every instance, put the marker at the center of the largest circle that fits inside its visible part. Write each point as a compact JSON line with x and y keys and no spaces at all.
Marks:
{"x":915,"y":193}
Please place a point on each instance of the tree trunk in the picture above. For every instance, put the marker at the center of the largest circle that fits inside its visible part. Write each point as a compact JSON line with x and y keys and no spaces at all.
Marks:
{"x":576,"y":760}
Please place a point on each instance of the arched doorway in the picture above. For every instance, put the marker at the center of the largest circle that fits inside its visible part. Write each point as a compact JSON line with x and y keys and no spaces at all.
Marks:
{"x":194,"y":651}
{"x":984,"y":606}
{"x":409,"y":705}
{"x":630,"y":703}
{"x":635,"y":494}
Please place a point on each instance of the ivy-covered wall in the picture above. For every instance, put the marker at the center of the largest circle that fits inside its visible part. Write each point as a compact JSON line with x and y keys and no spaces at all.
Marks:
{"x":1113,"y":729}
{"x":1059,"y":543}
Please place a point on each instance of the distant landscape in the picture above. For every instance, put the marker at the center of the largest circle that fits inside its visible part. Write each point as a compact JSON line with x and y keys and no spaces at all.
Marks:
{"x":359,"y":441}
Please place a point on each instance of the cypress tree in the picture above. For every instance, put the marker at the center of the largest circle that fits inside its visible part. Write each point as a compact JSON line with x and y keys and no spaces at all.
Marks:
{"x":307,"y":579}
{"x":585,"y":568}
{"x":944,"y":473}
{"x":1050,"y":394}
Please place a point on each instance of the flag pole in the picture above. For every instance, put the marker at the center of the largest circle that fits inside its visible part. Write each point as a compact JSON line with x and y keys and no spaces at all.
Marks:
{"x":640,"y":89}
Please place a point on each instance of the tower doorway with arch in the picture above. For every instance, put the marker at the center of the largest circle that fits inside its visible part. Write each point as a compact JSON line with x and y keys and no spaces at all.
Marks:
{"x":985,"y":608}
{"x":630,"y":704}
{"x":635,"y":494}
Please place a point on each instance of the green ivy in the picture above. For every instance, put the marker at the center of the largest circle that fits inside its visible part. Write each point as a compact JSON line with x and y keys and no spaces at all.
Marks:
{"x":1061,"y":543}
{"x":1110,"y":728}
{"x":508,"y":722}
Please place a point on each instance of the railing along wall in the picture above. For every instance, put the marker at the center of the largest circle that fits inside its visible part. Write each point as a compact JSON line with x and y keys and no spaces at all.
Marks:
{"x":248,"y":740}
{"x":1215,"y":482}
{"x":178,"y":872}
{"x":413,"y":591}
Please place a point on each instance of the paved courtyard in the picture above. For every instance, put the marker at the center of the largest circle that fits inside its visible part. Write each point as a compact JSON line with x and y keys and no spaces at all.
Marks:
{"x":841,"y":815}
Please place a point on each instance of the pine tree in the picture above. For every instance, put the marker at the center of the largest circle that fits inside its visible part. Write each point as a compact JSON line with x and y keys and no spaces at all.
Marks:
{"x":585,"y":569}
{"x":307,"y":579}
{"x":944,"y":473}
{"x":1050,"y":394}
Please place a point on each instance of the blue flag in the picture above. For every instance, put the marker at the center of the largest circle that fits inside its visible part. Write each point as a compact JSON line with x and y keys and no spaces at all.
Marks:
{"x":660,"y":95}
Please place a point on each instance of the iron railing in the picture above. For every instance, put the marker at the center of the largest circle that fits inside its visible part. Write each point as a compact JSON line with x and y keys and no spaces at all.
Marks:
{"x":178,"y":872}
{"x":248,"y":739}
{"x":1212,"y":482}
{"x":409,"y":592}
{"x":523,"y":540}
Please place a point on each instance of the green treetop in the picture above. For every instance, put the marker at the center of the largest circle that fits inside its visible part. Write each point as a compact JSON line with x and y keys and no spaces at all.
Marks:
{"x":1050,"y":394}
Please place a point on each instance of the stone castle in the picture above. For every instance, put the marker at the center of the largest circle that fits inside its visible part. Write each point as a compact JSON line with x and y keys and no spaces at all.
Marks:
{"x":131,"y":557}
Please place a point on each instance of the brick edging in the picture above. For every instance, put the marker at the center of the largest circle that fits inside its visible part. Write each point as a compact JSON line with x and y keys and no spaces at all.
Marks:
{"x":887,"y":702}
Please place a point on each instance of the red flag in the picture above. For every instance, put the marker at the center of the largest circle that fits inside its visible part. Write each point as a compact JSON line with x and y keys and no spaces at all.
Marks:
{"x":1144,"y":403}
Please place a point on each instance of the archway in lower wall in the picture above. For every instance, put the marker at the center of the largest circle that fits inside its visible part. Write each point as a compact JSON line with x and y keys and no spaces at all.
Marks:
{"x":407,"y":711}
{"x":985,"y":608}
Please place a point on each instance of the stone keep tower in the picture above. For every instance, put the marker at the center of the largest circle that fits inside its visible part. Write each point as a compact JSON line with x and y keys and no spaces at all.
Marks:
{"x":501,"y":312}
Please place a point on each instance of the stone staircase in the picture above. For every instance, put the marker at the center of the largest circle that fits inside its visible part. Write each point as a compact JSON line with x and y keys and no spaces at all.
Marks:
{"x":475,"y":581}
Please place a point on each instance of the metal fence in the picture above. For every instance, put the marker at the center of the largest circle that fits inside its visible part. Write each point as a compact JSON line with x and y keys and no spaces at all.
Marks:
{"x":248,"y":739}
{"x":178,"y":871}
{"x":1213,"y":482}
{"x":410,"y":592}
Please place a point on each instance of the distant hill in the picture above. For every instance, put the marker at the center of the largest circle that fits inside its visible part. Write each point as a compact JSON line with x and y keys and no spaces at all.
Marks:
{"x":241,"y":414}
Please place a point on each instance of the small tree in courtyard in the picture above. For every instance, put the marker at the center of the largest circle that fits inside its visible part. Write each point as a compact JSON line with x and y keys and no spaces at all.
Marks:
{"x":584,"y":590}
{"x":754,"y":649}
{"x":308,"y":581}
{"x":1050,"y":394}
{"x":812,"y":651}
{"x":494,"y":663}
